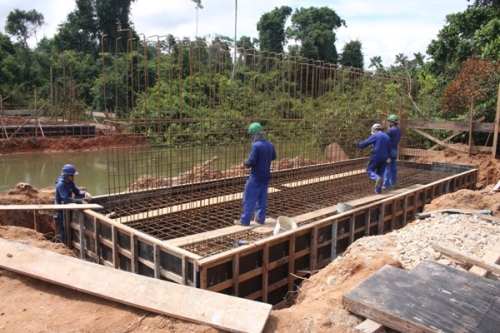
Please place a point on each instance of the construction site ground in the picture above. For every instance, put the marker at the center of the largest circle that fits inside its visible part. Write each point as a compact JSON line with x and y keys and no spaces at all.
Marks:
{"x":31,"y":305}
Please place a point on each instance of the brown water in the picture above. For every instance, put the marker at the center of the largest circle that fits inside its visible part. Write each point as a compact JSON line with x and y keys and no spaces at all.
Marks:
{"x":43,"y":169}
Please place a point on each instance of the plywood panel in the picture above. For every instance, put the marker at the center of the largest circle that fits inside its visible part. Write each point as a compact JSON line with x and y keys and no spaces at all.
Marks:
{"x":224,"y":312}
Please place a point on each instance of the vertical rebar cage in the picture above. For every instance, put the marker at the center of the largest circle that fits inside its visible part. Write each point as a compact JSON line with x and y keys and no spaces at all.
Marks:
{"x":192,"y":115}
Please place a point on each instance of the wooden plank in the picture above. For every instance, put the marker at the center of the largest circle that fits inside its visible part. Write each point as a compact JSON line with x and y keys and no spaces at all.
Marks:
{"x":431,"y":298}
{"x":493,"y":256}
{"x":467,"y":258}
{"x":420,"y":152}
{"x":495,"y":128}
{"x":185,"y":206}
{"x":50,"y":207}
{"x":324,"y":178}
{"x":487,"y":217}
{"x":449,"y":125}
{"x":454,"y":135}
{"x":369,"y":326}
{"x":445,"y":145}
{"x":221,"y":311}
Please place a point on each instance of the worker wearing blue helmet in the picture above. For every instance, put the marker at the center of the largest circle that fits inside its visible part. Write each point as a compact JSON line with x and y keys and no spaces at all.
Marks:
{"x":65,"y":189}
{"x":259,"y":160}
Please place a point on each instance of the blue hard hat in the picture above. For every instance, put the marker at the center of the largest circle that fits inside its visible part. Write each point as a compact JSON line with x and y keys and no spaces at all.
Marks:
{"x":69,"y":169}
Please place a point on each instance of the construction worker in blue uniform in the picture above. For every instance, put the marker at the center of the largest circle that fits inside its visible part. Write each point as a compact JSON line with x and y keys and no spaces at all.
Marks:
{"x":259,"y":160}
{"x":65,"y":188}
{"x":380,"y":153}
{"x":394,"y":132}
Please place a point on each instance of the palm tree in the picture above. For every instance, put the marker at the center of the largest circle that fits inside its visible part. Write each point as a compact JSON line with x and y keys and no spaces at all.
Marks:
{"x":198,"y":6}
{"x":376,"y":62}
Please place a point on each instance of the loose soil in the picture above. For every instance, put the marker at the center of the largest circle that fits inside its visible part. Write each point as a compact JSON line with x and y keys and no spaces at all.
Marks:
{"x":30,"y":305}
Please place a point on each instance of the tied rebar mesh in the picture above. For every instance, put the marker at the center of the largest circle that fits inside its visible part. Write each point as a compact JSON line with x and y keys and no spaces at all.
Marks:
{"x":190,"y":119}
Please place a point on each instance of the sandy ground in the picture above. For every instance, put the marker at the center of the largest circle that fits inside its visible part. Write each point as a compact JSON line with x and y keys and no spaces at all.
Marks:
{"x":30,"y":305}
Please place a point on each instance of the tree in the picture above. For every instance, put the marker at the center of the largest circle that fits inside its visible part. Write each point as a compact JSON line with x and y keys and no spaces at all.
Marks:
{"x":92,"y":19}
{"x":352,"y":56}
{"x":315,"y":29}
{"x":23,"y":24}
{"x":458,"y":40}
{"x":271,"y":28}
{"x":376,"y":62}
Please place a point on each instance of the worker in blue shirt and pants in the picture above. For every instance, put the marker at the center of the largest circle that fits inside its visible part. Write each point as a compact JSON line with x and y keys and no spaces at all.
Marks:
{"x":394,"y":132}
{"x":65,"y":188}
{"x":380,"y":153}
{"x":259,"y":160}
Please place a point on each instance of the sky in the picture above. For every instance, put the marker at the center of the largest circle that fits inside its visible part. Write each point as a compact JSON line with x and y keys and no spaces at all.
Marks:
{"x":384,"y":27}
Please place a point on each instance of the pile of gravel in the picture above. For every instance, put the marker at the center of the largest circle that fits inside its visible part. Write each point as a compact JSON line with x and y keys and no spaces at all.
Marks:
{"x":412,"y":244}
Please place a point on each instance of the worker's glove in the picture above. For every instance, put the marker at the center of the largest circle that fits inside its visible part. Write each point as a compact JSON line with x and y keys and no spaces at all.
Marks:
{"x":388,"y":161}
{"x":88,"y":196}
{"x":84,"y":202}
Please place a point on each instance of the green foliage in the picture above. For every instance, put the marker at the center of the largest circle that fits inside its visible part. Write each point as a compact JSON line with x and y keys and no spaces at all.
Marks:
{"x":314,"y":28}
{"x":271,"y":28}
{"x":23,"y":24}
{"x":352,"y":56}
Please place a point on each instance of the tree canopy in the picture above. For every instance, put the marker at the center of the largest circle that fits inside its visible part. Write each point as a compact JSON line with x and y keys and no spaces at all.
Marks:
{"x":271,"y":28}
{"x":315,"y":29}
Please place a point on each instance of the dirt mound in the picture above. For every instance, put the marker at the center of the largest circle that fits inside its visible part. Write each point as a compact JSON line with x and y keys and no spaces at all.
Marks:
{"x":319,"y":302}
{"x":488,"y":167}
{"x":25,"y":194}
{"x":26,"y":145}
{"x":467,"y":200}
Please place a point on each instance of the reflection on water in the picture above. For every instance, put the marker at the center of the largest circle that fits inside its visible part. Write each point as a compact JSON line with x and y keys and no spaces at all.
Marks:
{"x":43,"y":169}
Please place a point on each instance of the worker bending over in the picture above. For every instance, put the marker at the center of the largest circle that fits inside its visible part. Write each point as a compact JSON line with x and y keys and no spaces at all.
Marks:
{"x":380,"y":153}
{"x":259,"y":160}
{"x":65,"y":188}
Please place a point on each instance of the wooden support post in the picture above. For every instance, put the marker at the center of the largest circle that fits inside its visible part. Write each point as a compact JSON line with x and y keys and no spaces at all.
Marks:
{"x":236,"y":275}
{"x":81,"y":230}
{"x":291,"y":261}
{"x":35,"y":226}
{"x":133,"y":251}
{"x":1,"y":117}
{"x":156,"y":261}
{"x":471,"y":142}
{"x":495,"y":128}
{"x":114,"y":239}
{"x":265,"y":272}
{"x":381,"y":219}
{"x":314,"y":249}
{"x":333,"y":250}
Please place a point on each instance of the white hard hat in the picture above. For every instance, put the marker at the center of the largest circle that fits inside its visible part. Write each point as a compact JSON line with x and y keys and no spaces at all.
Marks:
{"x":376,"y":127}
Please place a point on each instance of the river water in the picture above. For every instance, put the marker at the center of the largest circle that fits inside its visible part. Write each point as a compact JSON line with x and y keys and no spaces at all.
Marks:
{"x":43,"y":169}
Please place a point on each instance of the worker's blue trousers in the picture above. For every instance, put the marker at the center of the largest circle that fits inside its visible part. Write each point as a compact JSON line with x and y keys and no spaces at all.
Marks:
{"x":391,"y":172}
{"x":375,"y":170}
{"x":255,"y":199}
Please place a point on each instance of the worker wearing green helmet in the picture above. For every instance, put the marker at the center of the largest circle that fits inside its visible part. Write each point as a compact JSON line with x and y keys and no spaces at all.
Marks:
{"x":394,"y":132}
{"x":259,"y":160}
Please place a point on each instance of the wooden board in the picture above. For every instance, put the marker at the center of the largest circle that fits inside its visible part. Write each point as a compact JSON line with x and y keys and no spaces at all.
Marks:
{"x":51,"y":207}
{"x":185,"y":206}
{"x":324,"y":178}
{"x":493,"y":256}
{"x":431,"y":298}
{"x":221,"y":311}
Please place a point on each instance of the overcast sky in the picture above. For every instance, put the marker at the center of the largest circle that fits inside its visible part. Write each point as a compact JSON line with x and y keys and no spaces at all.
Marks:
{"x":384,"y":27}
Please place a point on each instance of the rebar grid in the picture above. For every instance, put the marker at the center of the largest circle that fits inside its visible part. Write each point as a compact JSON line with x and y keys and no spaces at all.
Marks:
{"x":290,"y":202}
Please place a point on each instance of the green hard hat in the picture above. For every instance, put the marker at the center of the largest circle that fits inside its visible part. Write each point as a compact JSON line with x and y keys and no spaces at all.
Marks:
{"x":255,"y":127}
{"x":393,"y":117}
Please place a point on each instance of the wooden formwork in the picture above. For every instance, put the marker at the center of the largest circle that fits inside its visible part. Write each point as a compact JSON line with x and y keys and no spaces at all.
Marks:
{"x":267,"y":269}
